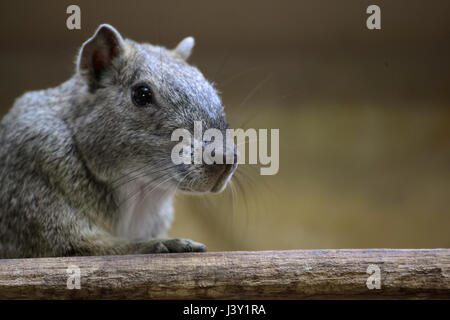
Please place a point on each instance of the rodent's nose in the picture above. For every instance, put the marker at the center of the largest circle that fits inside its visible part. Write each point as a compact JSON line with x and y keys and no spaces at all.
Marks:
{"x":225,"y":170}
{"x":229,"y":157}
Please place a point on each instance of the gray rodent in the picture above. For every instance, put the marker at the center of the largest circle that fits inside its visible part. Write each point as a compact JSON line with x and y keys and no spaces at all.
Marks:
{"x":85,"y":167}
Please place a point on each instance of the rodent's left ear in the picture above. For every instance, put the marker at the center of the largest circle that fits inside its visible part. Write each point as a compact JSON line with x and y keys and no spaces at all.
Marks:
{"x":97,"y":53}
{"x":184,"y":48}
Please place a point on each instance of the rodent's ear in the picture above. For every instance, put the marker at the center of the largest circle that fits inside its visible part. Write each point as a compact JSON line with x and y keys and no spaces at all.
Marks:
{"x":97,"y":53}
{"x":184,"y":48}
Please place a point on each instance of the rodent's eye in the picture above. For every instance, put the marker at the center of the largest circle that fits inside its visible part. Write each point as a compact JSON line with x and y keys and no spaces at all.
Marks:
{"x":141,"y":95}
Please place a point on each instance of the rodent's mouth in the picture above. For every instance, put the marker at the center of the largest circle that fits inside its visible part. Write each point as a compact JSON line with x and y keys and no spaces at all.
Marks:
{"x":218,"y":186}
{"x":224,"y":178}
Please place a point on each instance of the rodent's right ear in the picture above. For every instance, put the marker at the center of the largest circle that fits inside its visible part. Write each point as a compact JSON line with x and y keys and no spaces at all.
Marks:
{"x":97,"y":54}
{"x":184,"y":48}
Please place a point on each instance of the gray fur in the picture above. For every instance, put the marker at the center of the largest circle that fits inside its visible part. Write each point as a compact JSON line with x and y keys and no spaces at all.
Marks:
{"x":86,"y":172}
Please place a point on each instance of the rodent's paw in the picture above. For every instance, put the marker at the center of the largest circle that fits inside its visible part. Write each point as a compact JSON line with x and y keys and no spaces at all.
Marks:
{"x":184,"y":245}
{"x":175,"y":245}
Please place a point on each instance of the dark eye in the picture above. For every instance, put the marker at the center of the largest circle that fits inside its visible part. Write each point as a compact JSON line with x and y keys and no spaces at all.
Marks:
{"x":141,"y":95}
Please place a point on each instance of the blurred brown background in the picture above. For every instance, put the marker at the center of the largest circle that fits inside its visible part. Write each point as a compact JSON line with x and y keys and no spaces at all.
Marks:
{"x":364,"y":116}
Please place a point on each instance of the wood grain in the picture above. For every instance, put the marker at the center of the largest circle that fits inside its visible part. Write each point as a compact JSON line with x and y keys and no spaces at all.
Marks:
{"x":293,"y":274}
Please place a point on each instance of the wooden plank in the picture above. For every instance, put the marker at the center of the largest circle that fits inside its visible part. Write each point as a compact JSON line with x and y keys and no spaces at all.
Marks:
{"x":292,"y":274}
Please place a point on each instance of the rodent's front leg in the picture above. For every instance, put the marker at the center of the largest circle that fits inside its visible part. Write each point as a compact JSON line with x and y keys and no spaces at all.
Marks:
{"x":171,"y":246}
{"x":103,"y":244}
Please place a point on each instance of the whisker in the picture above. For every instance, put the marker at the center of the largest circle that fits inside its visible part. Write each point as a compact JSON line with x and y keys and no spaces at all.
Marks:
{"x":136,"y":170}
{"x":150,"y":184}
{"x":148,"y":172}
{"x":224,"y":61}
{"x":229,"y":80}
{"x":254,"y":90}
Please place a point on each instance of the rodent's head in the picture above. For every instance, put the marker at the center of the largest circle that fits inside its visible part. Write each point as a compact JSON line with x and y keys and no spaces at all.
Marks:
{"x":138,"y":94}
